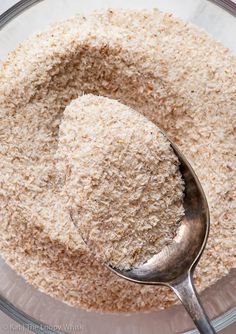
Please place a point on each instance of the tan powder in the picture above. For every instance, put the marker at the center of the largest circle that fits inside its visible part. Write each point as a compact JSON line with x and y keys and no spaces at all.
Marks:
{"x":171,"y":72}
{"x":121,"y":181}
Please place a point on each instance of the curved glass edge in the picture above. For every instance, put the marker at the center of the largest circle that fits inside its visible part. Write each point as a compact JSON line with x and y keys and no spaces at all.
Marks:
{"x":25,"y":320}
{"x":9,"y":309}
{"x":223,"y":321}
{"x":228,"y":5}
{"x":16,"y":10}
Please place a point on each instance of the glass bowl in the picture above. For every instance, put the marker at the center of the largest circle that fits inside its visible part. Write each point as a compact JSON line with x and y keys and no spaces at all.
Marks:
{"x":43,"y":314}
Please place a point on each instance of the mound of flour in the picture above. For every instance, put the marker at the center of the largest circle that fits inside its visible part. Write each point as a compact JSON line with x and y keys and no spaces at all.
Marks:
{"x":121,"y":180}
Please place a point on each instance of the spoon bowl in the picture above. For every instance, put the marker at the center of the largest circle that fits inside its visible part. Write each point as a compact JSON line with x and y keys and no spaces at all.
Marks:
{"x":184,"y":252}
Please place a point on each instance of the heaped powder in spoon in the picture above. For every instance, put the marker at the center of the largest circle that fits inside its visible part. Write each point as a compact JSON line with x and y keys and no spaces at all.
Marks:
{"x":121,"y":178}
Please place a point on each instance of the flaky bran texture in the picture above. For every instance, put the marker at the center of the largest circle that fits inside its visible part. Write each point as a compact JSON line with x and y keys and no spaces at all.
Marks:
{"x":171,"y":72}
{"x":121,"y":181}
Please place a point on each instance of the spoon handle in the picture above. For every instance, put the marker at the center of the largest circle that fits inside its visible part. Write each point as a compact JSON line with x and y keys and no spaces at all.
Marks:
{"x":187,"y":294}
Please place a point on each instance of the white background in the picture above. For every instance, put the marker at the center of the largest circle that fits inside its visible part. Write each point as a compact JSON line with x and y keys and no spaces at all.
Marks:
{"x":8,"y":326}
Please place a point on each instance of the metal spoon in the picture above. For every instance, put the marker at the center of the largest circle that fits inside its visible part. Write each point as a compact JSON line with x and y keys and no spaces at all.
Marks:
{"x":175,"y":264}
